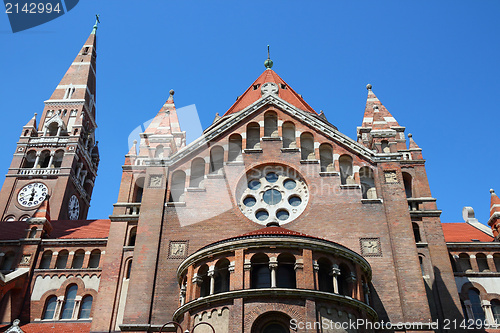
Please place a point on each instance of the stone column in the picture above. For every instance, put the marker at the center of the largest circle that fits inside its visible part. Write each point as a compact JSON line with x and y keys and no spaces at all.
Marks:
{"x":335,"y":275}
{"x":473,"y":263}
{"x":273,"y":265}
{"x":59,"y":128}
{"x":352,"y":282}
{"x":76,"y":308}
{"x":196,"y":281}
{"x":487,"y":312}
{"x":211,"y":275}
{"x":182,"y":295}
{"x":37,"y":159}
{"x":57,"y":312}
{"x":52,"y":153}
{"x":315,"y":274}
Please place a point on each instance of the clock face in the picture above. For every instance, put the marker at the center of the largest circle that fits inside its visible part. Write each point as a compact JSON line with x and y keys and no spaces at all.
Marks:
{"x":73,"y":208}
{"x":370,"y":246}
{"x":32,"y":194}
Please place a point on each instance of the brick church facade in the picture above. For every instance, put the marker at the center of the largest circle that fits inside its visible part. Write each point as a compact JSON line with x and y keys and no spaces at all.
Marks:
{"x":273,"y":221}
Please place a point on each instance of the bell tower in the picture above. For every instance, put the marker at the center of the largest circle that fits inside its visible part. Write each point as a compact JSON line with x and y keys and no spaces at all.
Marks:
{"x":59,"y":155}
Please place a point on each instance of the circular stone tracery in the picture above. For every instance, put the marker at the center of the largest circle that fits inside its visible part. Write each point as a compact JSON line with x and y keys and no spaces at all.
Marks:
{"x":272,"y":193}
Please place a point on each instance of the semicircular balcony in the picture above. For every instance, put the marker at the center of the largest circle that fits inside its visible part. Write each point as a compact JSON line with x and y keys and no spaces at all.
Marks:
{"x":273,"y":266}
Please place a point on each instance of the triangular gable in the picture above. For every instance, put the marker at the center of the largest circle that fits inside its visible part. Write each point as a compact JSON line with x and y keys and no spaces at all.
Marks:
{"x":318,"y":123}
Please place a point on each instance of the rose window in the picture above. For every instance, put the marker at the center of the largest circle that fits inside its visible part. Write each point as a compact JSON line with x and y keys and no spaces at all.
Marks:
{"x":274,"y":193}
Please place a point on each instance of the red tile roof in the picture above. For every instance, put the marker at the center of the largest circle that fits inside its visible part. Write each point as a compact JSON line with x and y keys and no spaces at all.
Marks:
{"x":53,"y":327}
{"x":251,"y":95}
{"x":463,"y":232}
{"x":62,"y":229}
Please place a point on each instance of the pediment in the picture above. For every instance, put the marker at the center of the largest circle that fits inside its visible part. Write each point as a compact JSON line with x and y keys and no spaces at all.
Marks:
{"x":225,"y":125}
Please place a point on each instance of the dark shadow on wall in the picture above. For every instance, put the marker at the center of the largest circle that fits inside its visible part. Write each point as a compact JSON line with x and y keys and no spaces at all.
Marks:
{"x":449,"y":311}
{"x":377,"y":305}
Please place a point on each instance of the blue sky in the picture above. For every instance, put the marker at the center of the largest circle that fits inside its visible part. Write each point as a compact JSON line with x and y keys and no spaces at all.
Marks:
{"x":434,"y":65}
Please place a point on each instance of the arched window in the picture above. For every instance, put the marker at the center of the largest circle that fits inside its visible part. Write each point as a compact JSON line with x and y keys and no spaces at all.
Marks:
{"x":159,"y":152}
{"x":234,"y":147}
{"x":346,"y":170}
{"x":464,"y":261}
{"x":177,"y":187}
{"x":132,"y":236}
{"x":495,"y":309}
{"x":8,"y":261}
{"x":10,"y":218}
{"x":205,"y":280}
{"x":129,"y":269}
{"x":29,"y":160}
{"x":95,"y":259}
{"x":253,"y":136}
{"x":69,"y":302}
{"x":197,"y":172}
{"x":221,"y":276}
{"x":62,"y":259}
{"x":367,"y":181}
{"x":325,"y":280}
{"x":285,"y":277}
{"x":326,"y":157}
{"x":475,"y":301}
{"x":44,"y":160}
{"x":58,"y":158}
{"x":345,"y":280}
{"x":271,"y":124}
{"x":32,"y":233}
{"x":138,"y":189}
{"x":289,"y":140}
{"x":422,"y":264}
{"x":260,"y":274}
{"x":50,"y":308}
{"x":85,"y":307}
{"x":52,"y":129}
{"x":385,"y":147}
{"x":46,"y":260}
{"x":307,"y":147}
{"x":78,"y":259}
{"x":416,"y":232}
{"x":482,"y":262}
{"x":453,"y":263}
{"x":496,"y":260}
{"x":216,"y":159}
{"x":407,"y":183}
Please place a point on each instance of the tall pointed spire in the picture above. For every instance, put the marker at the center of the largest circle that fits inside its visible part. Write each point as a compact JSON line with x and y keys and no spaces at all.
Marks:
{"x":379,"y":125}
{"x":77,"y":88}
{"x":165,"y":131}
{"x":494,"y":221}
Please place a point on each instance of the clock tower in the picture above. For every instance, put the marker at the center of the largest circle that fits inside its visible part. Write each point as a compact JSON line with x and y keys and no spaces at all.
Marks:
{"x":58,"y":156}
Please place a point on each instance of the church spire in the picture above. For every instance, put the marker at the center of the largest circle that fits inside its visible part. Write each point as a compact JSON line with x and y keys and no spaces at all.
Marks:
{"x":166,"y":131}
{"x":379,"y":130}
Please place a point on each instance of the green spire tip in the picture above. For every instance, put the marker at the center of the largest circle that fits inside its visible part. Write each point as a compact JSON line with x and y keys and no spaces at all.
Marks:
{"x":94,"y":29}
{"x":268,"y":63}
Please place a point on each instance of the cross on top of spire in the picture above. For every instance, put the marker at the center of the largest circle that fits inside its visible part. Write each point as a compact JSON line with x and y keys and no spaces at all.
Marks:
{"x":95,"y":25}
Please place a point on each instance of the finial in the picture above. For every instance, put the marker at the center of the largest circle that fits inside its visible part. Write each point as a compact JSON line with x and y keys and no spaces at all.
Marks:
{"x":36,"y":114}
{"x":492,"y":191}
{"x":268,"y":63}
{"x":369,"y":86}
{"x":171,"y":92}
{"x":135,"y":142}
{"x":410,"y":135}
{"x":95,"y":25}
